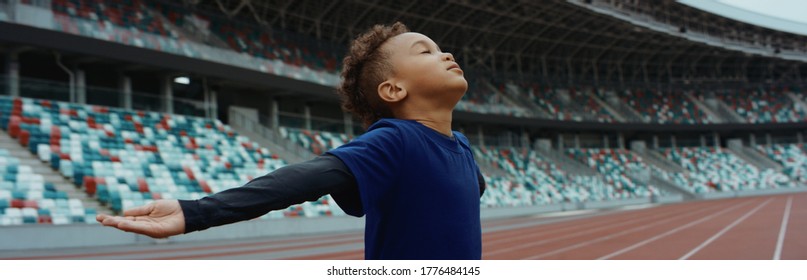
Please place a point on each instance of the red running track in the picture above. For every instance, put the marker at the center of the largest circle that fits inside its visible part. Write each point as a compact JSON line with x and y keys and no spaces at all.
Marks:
{"x":755,"y":228}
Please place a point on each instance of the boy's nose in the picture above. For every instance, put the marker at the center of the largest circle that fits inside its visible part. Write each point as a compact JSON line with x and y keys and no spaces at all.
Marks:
{"x":448,"y":56}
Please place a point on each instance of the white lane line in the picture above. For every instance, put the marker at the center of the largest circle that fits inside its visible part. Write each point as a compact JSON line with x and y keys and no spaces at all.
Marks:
{"x":563,"y":237}
{"x":726,"y":229}
{"x":578,"y":245}
{"x":657,"y":237}
{"x":778,"y":253}
{"x":594,"y":226}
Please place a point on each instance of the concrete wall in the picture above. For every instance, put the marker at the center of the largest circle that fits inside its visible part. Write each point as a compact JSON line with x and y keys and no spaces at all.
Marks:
{"x":748,"y":193}
{"x":86,"y":235}
{"x":65,"y":236}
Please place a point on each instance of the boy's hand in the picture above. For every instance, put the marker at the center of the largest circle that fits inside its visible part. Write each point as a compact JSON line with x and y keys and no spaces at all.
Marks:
{"x":159,"y":219}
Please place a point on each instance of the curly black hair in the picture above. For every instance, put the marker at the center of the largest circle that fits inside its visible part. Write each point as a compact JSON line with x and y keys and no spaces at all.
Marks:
{"x":363,"y":69}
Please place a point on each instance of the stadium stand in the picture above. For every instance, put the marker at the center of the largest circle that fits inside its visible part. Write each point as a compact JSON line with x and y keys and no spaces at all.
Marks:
{"x":482,"y":98}
{"x":792,"y":156}
{"x":126,"y":21}
{"x":128,"y":14}
{"x":713,"y":169}
{"x":663,"y":107}
{"x":25,"y":198}
{"x":318,"y":142}
{"x":561,"y":104}
{"x":129,"y":158}
{"x":620,"y":167}
{"x":763,"y":106}
{"x":543,"y":181}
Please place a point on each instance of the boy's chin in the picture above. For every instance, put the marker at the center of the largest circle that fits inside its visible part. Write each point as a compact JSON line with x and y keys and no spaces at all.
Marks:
{"x":456,"y":96}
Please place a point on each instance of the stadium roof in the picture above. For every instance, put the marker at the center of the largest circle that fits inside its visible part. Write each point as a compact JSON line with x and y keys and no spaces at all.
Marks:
{"x":556,"y":41}
{"x":782,"y":15}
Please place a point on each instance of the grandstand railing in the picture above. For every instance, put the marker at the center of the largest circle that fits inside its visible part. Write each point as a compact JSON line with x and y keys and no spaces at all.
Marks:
{"x":60,"y":91}
{"x":243,"y":121}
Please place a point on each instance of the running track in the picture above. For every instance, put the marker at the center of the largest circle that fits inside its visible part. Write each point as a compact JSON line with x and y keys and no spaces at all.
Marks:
{"x":757,"y":228}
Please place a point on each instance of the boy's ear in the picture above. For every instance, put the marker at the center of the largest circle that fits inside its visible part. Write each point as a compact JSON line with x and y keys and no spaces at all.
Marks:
{"x":391,"y":92}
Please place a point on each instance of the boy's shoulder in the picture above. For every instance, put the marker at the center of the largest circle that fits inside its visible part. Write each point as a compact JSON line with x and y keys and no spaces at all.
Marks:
{"x":462,"y":139}
{"x":390,"y":122}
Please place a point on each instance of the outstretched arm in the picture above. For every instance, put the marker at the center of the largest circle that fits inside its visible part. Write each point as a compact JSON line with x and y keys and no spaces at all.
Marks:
{"x":290,"y":185}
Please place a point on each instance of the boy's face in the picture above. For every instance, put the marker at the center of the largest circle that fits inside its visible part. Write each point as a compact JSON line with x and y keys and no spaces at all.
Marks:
{"x":424,"y":70}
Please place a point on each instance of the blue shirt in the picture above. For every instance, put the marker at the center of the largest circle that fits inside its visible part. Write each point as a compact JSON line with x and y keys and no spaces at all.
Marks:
{"x":419,"y":190}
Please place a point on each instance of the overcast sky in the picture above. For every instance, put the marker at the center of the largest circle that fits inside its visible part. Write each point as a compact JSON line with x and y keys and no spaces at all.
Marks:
{"x":795,"y":10}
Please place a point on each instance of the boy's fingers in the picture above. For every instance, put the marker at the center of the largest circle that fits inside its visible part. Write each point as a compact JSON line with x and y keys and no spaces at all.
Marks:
{"x":100,"y":217}
{"x":110,"y":221}
{"x":136,"y":227}
{"x":144,"y":210}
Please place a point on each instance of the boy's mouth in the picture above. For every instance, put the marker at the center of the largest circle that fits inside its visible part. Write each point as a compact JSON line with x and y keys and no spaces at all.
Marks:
{"x":454,"y":66}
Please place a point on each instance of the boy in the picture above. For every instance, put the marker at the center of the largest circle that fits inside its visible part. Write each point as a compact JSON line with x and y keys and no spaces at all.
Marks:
{"x":413,"y":177}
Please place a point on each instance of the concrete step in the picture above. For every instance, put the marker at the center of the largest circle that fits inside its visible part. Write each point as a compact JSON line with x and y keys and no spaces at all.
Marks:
{"x":49,"y":175}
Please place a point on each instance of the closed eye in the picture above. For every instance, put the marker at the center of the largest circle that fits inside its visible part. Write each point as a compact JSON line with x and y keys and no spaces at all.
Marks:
{"x":426,"y":51}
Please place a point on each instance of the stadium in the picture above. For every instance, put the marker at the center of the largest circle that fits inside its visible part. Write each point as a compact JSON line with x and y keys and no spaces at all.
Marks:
{"x":605,"y":129}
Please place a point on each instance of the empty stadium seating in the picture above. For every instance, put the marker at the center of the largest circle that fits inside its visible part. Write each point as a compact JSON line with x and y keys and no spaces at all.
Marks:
{"x":663,"y":107}
{"x":129,"y":158}
{"x":539,"y":181}
{"x":318,"y":142}
{"x":621,"y":168}
{"x":480,"y":99}
{"x":25,"y":198}
{"x":792,"y":156}
{"x":763,"y":106}
{"x":561,"y":104}
{"x":713,"y":169}
{"x":128,"y":14}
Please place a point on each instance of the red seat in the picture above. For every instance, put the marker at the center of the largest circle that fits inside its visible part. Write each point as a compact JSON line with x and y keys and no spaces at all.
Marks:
{"x":16,"y":203}
{"x":90,"y":185}
{"x":44,"y":220}
{"x":30,"y":204}
{"x":189,"y":172}
{"x":205,"y":187}
{"x":142,"y":186}
{"x":25,"y":136}
{"x":14,"y":126}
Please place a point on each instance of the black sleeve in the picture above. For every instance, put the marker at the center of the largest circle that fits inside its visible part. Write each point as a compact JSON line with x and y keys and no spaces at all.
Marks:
{"x":290,"y":185}
{"x":482,"y":184}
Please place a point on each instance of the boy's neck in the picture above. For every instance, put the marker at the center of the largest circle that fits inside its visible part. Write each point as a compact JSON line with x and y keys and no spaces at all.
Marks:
{"x":437,"y":120}
{"x":443,"y":128}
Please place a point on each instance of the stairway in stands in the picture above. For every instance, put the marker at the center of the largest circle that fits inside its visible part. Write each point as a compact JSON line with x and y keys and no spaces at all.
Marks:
{"x":50,"y":175}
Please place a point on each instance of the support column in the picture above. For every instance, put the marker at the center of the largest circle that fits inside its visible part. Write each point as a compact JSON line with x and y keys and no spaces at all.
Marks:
{"x":167,"y":94}
{"x":525,"y":139}
{"x":716,"y":139}
{"x":275,"y":115}
{"x":81,"y":86}
{"x":13,"y":73}
{"x":799,"y":138}
{"x":348,"y":124}
{"x":703,"y":141}
{"x":768,"y":139}
{"x":752,"y":140}
{"x":206,"y":98}
{"x":214,"y":104}
{"x":620,"y":141}
{"x":125,"y":101}
{"x":605,"y":141}
{"x":672,"y":142}
{"x":655,"y":142}
{"x":560,"y":142}
{"x":577,"y":141}
{"x":307,"y":115}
